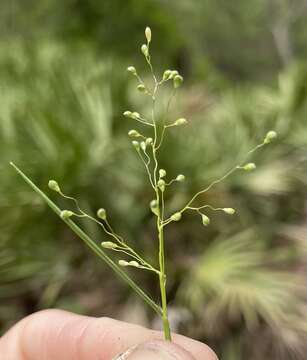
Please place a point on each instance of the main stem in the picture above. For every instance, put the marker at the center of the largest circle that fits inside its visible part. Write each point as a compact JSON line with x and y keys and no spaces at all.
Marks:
{"x":160,"y":219}
{"x":162,"y":276}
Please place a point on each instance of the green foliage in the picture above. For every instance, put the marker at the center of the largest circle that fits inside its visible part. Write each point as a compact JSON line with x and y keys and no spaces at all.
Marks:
{"x":53,"y":114}
{"x":57,"y":113}
{"x":247,"y":41}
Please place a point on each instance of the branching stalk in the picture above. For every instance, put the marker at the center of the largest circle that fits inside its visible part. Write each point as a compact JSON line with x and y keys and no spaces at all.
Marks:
{"x":150,"y":147}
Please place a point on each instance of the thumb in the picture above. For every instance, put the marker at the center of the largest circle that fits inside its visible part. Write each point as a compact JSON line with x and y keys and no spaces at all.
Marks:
{"x":156,"y":350}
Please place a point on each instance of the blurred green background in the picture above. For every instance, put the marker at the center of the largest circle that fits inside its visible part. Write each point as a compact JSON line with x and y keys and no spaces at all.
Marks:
{"x":240,"y":284}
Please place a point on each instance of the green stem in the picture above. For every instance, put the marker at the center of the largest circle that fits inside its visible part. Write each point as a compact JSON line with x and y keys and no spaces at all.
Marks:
{"x":160,"y":216}
{"x":91,"y":244}
{"x":162,"y":275}
{"x":162,"y":278}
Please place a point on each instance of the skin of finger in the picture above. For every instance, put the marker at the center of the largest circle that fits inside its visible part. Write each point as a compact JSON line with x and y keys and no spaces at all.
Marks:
{"x":51,"y":334}
{"x":153,"y":350}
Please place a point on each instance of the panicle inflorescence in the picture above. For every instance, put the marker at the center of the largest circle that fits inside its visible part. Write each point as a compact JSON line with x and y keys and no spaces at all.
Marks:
{"x":147,"y":148}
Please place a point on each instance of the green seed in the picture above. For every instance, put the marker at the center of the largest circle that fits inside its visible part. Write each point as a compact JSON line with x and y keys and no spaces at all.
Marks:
{"x":123,"y":263}
{"x":136,"y":145}
{"x":149,"y":141}
{"x":162,"y":173}
{"x":180,"y":178}
{"x":144,"y":49}
{"x":53,"y":185}
{"x":102,"y":214}
{"x":127,"y":113}
{"x":131,"y":69}
{"x":176,"y":217}
{"x":141,"y":88}
{"x":249,"y":167}
{"x":66,"y":214}
{"x":229,"y":211}
{"x":178,"y":80}
{"x":270,"y":136}
{"x":108,"y":245}
{"x":148,"y":34}
{"x":161,"y":185}
{"x":134,"y":263}
{"x":205,"y":219}
{"x":134,"y":133}
{"x":181,"y":121}
{"x":167,"y":74}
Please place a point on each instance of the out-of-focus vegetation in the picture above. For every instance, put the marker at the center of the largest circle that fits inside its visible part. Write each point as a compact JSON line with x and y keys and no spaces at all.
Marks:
{"x":239,"y":285}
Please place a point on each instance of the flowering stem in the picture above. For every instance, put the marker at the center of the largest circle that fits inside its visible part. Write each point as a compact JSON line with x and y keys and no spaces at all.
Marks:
{"x":160,"y":216}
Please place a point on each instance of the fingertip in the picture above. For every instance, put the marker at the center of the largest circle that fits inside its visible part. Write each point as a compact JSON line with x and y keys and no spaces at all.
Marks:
{"x":51,"y":334}
{"x":199,"y":350}
{"x":156,"y":350}
{"x":163,"y":350}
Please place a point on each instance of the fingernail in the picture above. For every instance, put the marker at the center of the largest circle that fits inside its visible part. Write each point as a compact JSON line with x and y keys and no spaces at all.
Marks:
{"x":156,"y":350}
{"x":124,"y":355}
